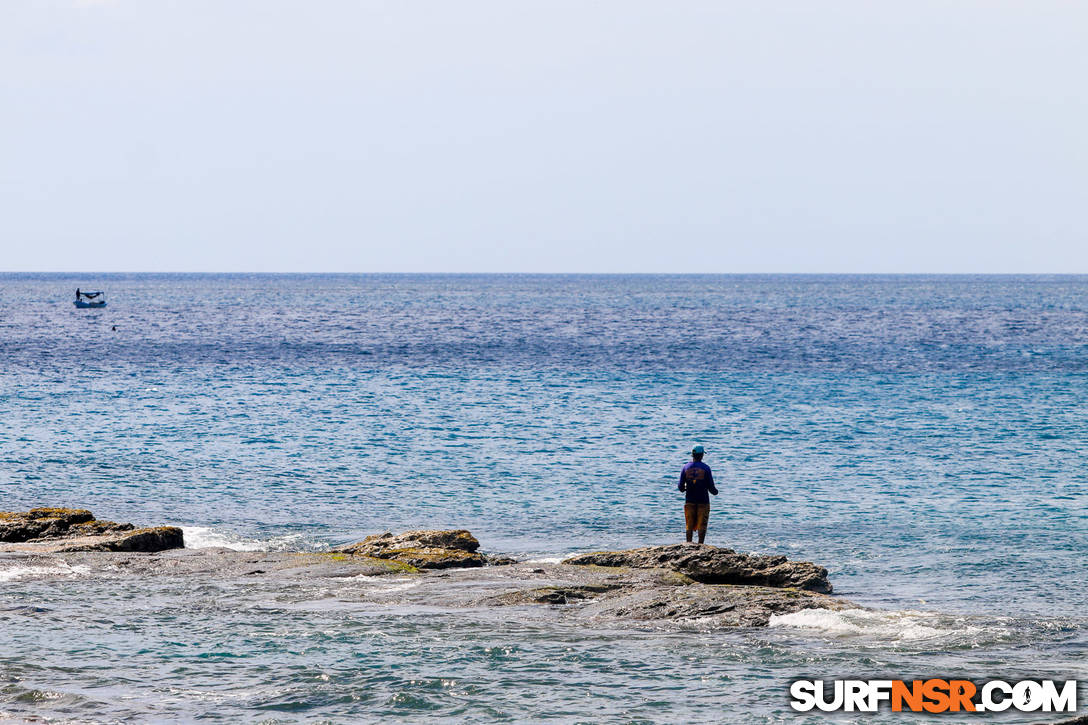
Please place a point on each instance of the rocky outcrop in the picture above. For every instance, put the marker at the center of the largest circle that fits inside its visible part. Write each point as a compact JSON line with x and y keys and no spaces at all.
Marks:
{"x":712,"y":565}
{"x":157,"y":538}
{"x":643,"y":597}
{"x":449,"y":549}
{"x":40,"y":523}
{"x":663,"y":586}
{"x":634,"y":600}
{"x":48,"y":530}
{"x":714,"y":605}
{"x":680,"y":585}
{"x":498,"y":560}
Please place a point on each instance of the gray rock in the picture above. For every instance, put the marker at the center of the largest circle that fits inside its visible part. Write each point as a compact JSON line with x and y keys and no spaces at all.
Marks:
{"x":640,"y":596}
{"x":679,"y":585}
{"x":713,"y":565}
{"x":650,"y":596}
{"x":714,"y":605}
{"x":40,"y":523}
{"x":427,"y":549}
{"x":158,"y":538}
{"x":498,"y":560}
{"x":46,"y":530}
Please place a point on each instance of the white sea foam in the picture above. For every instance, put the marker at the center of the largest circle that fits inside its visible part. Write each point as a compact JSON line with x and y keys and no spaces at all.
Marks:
{"x":548,"y":557}
{"x":385,"y":584}
{"x":204,"y":537}
{"x":18,"y":573}
{"x":904,"y":626}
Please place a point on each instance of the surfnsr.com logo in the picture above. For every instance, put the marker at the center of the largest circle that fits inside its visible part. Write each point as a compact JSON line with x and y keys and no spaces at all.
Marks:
{"x":934,"y":695}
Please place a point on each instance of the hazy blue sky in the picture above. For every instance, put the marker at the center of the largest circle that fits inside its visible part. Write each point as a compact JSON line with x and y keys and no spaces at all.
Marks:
{"x":626,"y":136}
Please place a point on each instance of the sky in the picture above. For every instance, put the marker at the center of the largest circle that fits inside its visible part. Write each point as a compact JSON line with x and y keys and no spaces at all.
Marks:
{"x":946,"y":136}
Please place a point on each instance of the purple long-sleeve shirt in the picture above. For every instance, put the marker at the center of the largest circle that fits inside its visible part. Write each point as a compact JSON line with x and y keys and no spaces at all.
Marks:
{"x":696,"y":481}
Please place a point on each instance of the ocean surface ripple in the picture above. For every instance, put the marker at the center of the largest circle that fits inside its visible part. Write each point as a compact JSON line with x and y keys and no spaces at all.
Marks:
{"x":922,"y":437}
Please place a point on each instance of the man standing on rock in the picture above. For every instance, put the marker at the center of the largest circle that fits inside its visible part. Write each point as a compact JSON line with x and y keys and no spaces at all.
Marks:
{"x":697,"y":481}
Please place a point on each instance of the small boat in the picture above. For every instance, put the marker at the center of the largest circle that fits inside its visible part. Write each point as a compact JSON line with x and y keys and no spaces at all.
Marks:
{"x":85,"y":300}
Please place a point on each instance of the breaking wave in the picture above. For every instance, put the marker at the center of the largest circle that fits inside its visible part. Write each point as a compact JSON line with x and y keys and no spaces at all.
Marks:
{"x":896,"y":626}
{"x":205,"y":537}
{"x":19,"y":573}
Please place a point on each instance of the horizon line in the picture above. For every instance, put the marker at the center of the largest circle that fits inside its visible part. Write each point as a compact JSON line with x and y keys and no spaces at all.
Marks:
{"x":550,"y":274}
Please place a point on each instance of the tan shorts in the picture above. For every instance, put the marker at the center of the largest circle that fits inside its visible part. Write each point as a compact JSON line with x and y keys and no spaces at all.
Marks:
{"x":696,"y":516}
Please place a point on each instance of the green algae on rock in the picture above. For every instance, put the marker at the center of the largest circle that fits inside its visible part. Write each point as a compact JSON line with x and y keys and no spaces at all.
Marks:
{"x":155,"y":538}
{"x":424,"y":549}
{"x":713,"y":565}
{"x":655,"y":586}
{"x":67,"y":529}
{"x":40,"y":523}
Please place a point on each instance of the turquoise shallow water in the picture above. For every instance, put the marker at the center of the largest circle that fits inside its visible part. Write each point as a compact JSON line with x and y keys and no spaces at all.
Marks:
{"x":922,"y":437}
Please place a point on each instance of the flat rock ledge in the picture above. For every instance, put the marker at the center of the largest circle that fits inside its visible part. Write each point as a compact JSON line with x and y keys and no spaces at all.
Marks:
{"x":689,"y":584}
{"x":427,"y":549}
{"x":651,"y":597}
{"x":685,"y":585}
{"x":55,"y":530}
{"x":712,"y":565}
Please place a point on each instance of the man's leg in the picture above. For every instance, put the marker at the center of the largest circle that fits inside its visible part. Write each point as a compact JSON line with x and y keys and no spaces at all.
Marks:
{"x":702,"y":536}
{"x":689,"y":536}
{"x":691,"y":516}
{"x":704,"y":521}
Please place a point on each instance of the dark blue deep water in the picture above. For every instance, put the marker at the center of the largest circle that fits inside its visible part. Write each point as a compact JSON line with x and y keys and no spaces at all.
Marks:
{"x":922,"y":437}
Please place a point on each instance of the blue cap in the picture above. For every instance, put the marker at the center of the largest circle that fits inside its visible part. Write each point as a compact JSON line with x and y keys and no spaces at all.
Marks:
{"x":698,"y":451}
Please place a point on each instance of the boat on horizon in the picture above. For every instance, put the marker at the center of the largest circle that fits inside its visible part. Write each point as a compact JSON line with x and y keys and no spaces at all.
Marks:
{"x":85,"y":300}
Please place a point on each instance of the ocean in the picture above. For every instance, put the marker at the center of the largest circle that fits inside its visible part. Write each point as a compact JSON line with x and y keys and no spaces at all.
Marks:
{"x":923,"y":437}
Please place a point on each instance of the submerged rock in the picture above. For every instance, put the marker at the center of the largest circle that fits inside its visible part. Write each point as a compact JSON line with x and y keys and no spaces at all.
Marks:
{"x":498,"y":560}
{"x":448,"y":549}
{"x":712,"y":565}
{"x":67,"y":529}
